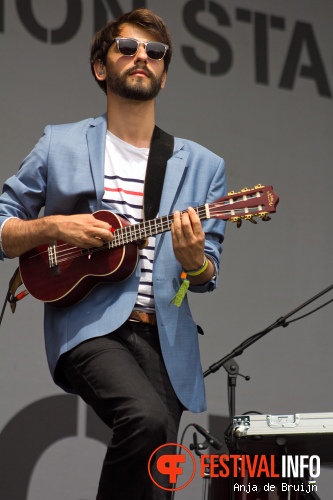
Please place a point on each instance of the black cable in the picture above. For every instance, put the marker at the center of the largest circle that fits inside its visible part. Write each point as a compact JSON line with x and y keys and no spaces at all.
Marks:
{"x":311,"y":312}
{"x":178,"y":452}
{"x":4,"y":306}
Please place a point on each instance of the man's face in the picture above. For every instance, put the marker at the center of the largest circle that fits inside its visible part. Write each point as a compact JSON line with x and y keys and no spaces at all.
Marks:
{"x":134,"y":77}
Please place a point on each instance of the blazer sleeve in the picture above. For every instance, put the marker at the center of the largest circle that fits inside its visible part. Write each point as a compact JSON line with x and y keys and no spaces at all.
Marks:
{"x":23,"y":194}
{"x":214,"y":229}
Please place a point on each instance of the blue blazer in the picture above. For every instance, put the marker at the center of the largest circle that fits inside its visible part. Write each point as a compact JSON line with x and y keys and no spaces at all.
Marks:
{"x":64,"y":173}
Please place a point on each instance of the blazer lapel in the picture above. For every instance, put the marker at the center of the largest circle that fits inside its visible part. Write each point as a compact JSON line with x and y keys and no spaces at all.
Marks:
{"x":176,"y":169}
{"x":173,"y":176}
{"x":96,"y":135}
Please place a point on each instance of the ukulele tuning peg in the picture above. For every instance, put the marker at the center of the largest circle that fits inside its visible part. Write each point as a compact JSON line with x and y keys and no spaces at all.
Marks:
{"x":238,"y":221}
{"x":251,"y":219}
{"x":265,"y":218}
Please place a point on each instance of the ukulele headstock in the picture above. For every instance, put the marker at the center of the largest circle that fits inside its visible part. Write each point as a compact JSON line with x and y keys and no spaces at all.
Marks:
{"x":246,"y":204}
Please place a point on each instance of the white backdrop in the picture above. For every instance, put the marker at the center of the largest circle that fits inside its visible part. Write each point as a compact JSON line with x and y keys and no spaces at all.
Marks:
{"x":252,"y":81}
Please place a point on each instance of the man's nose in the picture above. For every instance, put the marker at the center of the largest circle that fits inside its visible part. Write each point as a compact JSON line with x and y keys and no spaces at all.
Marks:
{"x":141,"y":53}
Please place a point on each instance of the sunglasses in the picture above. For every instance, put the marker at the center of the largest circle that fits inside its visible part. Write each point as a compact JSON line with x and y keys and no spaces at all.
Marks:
{"x":130,"y":46}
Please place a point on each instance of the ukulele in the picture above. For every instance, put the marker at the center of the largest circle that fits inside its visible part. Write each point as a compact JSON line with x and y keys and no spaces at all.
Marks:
{"x":63,"y":275}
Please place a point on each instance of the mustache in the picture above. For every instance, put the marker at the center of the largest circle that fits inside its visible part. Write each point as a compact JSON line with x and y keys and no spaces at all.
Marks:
{"x":137,"y":67}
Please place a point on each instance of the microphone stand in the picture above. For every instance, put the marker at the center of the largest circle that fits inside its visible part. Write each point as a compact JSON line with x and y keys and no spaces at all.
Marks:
{"x":254,"y":338}
{"x":232,"y":367}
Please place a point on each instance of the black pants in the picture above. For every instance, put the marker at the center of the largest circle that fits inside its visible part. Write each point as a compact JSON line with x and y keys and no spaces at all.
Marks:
{"x":123,"y":377}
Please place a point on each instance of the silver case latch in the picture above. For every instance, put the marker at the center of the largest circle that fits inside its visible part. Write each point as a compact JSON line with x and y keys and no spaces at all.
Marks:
{"x":283,"y":421}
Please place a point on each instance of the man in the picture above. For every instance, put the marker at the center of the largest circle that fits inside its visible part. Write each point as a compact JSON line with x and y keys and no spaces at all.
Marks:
{"x":123,"y":348}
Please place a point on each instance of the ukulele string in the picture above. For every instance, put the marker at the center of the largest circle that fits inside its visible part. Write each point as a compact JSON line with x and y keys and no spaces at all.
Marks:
{"x":128,"y":234}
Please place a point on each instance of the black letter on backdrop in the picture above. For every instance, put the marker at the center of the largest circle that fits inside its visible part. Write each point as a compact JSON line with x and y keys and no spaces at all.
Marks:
{"x":223,"y":64}
{"x":60,"y":35}
{"x":28,"y":435}
{"x":101,"y":14}
{"x":303,"y":35}
{"x":32,"y":431}
{"x":261,"y":39}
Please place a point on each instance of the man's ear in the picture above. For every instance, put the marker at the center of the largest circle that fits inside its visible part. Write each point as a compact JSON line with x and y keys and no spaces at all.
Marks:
{"x":99,"y":70}
{"x":163,"y":80}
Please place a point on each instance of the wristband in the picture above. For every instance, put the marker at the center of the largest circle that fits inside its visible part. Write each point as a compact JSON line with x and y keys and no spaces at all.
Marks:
{"x":179,"y":297}
{"x":200,"y":270}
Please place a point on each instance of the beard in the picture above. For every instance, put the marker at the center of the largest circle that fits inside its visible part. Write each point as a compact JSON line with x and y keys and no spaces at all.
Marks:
{"x":137,"y":90}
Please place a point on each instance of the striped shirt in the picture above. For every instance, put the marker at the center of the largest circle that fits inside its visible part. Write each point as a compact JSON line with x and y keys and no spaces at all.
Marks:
{"x":124,"y":175}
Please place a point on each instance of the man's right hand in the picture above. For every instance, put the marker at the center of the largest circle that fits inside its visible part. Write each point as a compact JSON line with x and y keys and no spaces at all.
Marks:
{"x":80,"y":230}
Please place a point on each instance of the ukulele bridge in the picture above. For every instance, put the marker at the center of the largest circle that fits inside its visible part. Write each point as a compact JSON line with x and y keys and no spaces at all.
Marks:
{"x":53,"y":260}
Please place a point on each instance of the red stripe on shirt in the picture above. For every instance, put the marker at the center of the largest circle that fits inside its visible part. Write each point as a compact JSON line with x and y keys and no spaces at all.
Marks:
{"x":118,"y":190}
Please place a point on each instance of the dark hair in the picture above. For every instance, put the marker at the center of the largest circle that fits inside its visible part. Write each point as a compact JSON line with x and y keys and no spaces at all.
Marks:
{"x":142,"y":17}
